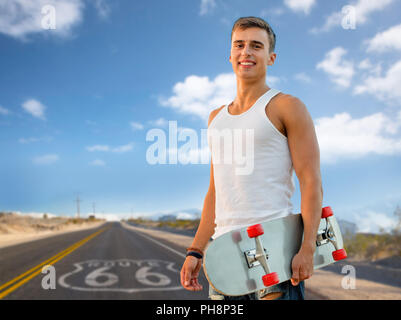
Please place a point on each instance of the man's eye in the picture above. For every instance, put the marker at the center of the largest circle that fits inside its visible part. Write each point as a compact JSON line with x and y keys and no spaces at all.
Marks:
{"x":240,"y":45}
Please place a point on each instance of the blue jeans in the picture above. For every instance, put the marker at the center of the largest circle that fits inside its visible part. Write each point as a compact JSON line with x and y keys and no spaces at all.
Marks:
{"x":289,"y":291}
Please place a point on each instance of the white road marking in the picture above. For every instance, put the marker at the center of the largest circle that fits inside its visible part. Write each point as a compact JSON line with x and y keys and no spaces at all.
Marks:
{"x":154,"y":280}
{"x":158,"y":242}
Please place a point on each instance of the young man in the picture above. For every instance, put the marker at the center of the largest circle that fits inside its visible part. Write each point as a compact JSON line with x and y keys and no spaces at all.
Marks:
{"x":284,"y":141}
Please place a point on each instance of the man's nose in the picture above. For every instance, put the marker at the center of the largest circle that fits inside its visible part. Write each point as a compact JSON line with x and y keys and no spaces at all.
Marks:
{"x":246,"y":50}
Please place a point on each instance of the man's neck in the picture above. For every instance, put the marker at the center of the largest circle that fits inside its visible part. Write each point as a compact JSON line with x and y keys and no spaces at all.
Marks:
{"x":247,"y":94}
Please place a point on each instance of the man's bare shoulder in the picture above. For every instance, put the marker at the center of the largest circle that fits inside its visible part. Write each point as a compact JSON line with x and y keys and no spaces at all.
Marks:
{"x":288,"y":106}
{"x":214,"y":113}
{"x":287,"y":100}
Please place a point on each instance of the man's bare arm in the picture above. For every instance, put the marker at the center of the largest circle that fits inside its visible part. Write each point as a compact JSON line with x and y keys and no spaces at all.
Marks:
{"x":305,"y":155}
{"x":190,"y":269}
{"x":207,"y":222}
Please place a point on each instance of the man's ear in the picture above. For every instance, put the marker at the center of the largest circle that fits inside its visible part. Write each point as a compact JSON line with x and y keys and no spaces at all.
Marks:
{"x":272,"y":58}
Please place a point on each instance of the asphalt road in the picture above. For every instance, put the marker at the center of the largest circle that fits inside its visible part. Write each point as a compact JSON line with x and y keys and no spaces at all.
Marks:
{"x":110,"y":262}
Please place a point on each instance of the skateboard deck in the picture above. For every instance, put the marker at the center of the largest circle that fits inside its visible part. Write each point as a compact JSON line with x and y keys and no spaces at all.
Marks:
{"x":250,"y":259}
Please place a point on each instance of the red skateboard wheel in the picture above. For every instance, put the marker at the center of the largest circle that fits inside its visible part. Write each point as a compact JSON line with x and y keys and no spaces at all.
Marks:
{"x":255,"y":231}
{"x":326,"y":212}
{"x":339,"y":254}
{"x":270,"y":279}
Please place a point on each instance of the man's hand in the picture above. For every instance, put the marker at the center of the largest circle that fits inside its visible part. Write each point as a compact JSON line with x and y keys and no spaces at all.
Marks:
{"x":190,"y":272}
{"x":302,"y":265}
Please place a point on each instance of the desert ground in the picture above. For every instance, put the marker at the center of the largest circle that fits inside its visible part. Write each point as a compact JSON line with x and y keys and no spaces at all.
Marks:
{"x":16,"y":228}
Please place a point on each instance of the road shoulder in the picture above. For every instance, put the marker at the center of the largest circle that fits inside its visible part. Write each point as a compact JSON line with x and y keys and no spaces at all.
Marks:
{"x":8,"y":240}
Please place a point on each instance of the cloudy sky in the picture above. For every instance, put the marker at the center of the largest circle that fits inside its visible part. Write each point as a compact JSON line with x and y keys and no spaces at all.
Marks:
{"x":84,"y":83}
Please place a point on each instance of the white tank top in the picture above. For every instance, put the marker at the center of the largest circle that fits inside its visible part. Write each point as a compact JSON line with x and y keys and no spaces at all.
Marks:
{"x":252,"y":167}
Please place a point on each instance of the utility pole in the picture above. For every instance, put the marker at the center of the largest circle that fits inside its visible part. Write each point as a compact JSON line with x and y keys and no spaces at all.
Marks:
{"x":94,"y":208}
{"x":78,"y":201}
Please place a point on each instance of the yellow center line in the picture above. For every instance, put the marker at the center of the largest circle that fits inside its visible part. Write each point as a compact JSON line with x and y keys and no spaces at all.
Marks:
{"x":50,"y":261}
{"x":43,"y":263}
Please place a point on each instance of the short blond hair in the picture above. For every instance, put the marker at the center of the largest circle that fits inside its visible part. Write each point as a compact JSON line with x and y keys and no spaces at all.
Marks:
{"x":252,"y":22}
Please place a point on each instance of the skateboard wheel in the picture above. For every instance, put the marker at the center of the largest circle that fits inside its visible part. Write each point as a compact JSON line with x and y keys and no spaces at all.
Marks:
{"x":270,"y":279}
{"x":339,"y":254}
{"x":326,"y":212}
{"x":255,"y":231}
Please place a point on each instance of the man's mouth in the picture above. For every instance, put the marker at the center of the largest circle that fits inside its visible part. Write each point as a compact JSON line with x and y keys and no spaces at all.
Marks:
{"x":247,"y":64}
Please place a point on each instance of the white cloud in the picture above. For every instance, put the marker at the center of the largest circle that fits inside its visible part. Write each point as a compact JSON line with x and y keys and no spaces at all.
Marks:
{"x":136,"y":126}
{"x":273,"y":80}
{"x":341,"y":137}
{"x":206,"y":6}
{"x":385,"y":88}
{"x":161,"y":122}
{"x":102,"y":8}
{"x":300,"y":5}
{"x":387,"y":40}
{"x":35,"y":108}
{"x":98,"y":147}
{"x":302,"y":77}
{"x":123,"y":148}
{"x":339,"y":70}
{"x":106,"y":148}
{"x":20,"y":18}
{"x":374,"y":222}
{"x":365,"y":64}
{"x":369,"y":68}
{"x":97,"y":163}
{"x":331,"y":21}
{"x":46,"y":159}
{"x":199,"y":95}
{"x":363,"y":10}
{"x":34,"y":139}
{"x":4,"y":111}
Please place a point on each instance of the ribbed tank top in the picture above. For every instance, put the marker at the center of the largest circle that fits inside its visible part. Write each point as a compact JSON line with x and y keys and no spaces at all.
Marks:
{"x":261,"y":186}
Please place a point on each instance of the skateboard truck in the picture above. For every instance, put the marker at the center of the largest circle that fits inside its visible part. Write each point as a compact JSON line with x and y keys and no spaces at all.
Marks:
{"x":251,"y":259}
{"x":259,"y":256}
{"x":327,"y":235}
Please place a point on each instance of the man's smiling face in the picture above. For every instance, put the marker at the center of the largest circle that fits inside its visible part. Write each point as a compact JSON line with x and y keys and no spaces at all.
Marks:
{"x":250,"y":54}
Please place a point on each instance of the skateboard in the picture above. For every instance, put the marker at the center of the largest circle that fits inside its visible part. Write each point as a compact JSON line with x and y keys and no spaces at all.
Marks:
{"x":250,"y":259}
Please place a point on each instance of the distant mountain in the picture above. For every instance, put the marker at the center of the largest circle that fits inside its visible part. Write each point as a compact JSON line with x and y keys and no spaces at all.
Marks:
{"x":188,"y":214}
{"x":346,"y":227}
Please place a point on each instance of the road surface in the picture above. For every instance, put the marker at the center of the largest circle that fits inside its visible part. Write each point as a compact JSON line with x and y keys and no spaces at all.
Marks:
{"x":109,"y":262}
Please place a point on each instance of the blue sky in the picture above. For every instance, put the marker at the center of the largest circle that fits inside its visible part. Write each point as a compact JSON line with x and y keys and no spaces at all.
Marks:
{"x":77,"y":101}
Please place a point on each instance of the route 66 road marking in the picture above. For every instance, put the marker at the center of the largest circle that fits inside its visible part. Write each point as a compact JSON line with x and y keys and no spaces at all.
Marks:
{"x":123,"y":275}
